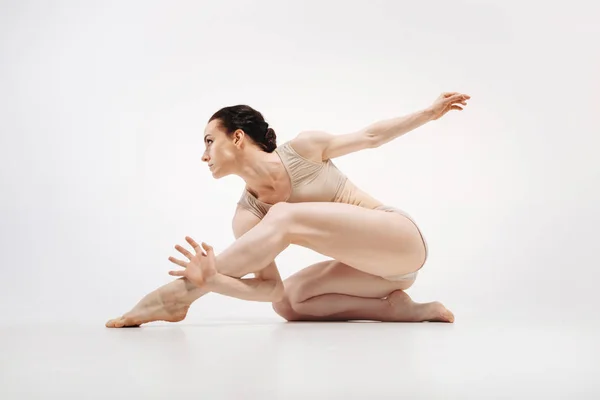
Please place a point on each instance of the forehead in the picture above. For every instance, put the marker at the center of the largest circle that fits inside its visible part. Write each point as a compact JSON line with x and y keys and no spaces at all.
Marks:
{"x":212,"y":128}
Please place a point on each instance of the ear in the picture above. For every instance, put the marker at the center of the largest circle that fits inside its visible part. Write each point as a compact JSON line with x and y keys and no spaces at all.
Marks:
{"x":238,"y":137}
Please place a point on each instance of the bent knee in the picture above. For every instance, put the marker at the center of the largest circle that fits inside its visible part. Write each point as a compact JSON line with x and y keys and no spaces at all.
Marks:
{"x":279,"y":213}
{"x":280,"y":218}
{"x":285,"y":310}
{"x":299,"y":290}
{"x":307,"y":309}
{"x":303,"y":287}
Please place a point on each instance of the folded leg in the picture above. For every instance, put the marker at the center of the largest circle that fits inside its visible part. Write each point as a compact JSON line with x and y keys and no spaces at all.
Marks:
{"x":334,"y":291}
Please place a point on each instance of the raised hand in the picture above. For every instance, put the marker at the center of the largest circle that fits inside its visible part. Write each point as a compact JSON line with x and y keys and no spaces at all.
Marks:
{"x":201,"y":267}
{"x":446,"y":102}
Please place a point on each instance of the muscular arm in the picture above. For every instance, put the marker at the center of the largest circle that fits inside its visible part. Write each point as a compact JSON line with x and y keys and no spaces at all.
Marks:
{"x":318,"y":145}
{"x":265,"y":286}
{"x":389,"y":129}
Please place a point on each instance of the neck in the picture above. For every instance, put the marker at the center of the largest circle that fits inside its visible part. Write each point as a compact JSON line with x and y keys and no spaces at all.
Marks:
{"x":261,"y":171}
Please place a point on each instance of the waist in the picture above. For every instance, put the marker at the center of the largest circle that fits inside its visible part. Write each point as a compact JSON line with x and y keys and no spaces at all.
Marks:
{"x":350,"y":194}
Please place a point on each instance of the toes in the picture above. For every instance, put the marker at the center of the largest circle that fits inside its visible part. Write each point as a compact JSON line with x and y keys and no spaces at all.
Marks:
{"x":129,"y":323}
{"x":116,"y":323}
{"x":438,"y":313}
{"x":123,"y":322}
{"x":445,"y":315}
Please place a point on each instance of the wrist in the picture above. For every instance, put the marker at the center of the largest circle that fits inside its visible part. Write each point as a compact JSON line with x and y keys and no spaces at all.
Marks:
{"x":213,"y":278}
{"x":428,"y":113}
{"x":213,"y":283}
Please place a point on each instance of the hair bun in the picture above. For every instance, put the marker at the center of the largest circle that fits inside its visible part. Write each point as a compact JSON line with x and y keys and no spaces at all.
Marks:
{"x":270,"y":140}
{"x":250,"y":121}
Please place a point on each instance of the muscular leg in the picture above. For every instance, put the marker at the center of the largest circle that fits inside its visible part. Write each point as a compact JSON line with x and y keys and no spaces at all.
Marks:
{"x":376,"y":242}
{"x":333,"y":291}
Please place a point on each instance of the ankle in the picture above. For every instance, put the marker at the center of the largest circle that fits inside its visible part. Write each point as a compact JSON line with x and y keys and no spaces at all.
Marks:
{"x":174,"y":296}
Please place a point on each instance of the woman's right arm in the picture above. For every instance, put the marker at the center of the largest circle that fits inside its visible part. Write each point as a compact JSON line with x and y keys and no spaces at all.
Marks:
{"x":265,"y":286}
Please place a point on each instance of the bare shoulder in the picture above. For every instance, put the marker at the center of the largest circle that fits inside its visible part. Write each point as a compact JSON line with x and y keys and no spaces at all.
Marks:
{"x":319,"y":146}
{"x":311,"y":144}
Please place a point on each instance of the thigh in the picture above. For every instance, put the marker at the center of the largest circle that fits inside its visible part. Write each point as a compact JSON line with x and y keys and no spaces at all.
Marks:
{"x":374,"y":241}
{"x":333,"y":276}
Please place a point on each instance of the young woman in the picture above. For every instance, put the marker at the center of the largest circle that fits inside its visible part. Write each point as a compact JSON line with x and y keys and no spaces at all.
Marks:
{"x":295,"y":194}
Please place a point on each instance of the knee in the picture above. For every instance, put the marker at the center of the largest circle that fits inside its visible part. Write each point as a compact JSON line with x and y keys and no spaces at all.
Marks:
{"x":280,"y":213}
{"x":291,"y":306}
{"x":298,"y":290}
{"x":285,"y":310}
{"x":281,"y":216}
{"x":308,"y":309}
{"x":306,"y":285}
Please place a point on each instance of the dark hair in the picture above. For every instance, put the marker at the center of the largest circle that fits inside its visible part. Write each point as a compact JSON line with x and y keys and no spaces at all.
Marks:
{"x":250,"y":121}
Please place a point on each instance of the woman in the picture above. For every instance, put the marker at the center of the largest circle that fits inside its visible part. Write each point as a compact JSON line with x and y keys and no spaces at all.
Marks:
{"x":295,"y":194}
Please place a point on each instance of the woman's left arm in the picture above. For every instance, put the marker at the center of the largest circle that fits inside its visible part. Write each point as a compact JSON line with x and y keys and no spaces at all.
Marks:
{"x":387,"y":130}
{"x":318,"y":145}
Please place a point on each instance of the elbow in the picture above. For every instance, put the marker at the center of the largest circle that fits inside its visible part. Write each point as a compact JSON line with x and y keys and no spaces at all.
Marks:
{"x":371,"y":139}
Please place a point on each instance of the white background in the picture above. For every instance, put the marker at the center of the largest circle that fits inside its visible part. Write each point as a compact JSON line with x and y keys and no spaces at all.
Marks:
{"x":103,"y":105}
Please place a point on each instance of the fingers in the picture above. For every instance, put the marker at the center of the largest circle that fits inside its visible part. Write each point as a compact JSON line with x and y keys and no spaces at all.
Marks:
{"x":178,"y":262}
{"x":450,"y":102}
{"x":199,"y":253}
{"x":209,"y":250}
{"x":455,"y":96}
{"x":195,"y":245}
{"x":184,"y":252}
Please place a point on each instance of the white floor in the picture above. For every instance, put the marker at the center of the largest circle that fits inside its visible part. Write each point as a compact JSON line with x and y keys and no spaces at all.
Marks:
{"x":269,"y":359}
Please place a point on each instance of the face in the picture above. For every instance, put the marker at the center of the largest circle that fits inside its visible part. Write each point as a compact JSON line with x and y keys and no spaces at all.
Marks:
{"x":220,"y":149}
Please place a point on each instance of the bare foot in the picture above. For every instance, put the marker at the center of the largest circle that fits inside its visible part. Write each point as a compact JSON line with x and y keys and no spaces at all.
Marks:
{"x":405,"y":310}
{"x":160,"y":305}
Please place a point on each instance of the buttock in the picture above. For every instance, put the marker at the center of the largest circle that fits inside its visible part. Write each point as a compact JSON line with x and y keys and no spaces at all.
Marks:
{"x":411,"y":275}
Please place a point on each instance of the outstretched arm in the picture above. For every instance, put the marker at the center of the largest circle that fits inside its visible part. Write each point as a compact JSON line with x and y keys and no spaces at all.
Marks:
{"x":387,"y":130}
{"x":320,"y":145}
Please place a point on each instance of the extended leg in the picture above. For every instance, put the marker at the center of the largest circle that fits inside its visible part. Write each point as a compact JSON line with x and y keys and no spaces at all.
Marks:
{"x":172,"y":301}
{"x":374,"y":241}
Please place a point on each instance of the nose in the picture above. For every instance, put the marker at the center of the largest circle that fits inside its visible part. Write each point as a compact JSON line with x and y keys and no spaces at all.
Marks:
{"x":205,"y":157}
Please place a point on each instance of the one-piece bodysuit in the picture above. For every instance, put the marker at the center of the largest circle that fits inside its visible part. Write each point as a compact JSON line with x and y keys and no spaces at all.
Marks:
{"x":314,"y":181}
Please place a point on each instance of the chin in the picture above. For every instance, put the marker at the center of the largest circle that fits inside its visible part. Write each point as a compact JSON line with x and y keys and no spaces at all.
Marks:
{"x":218,"y":174}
